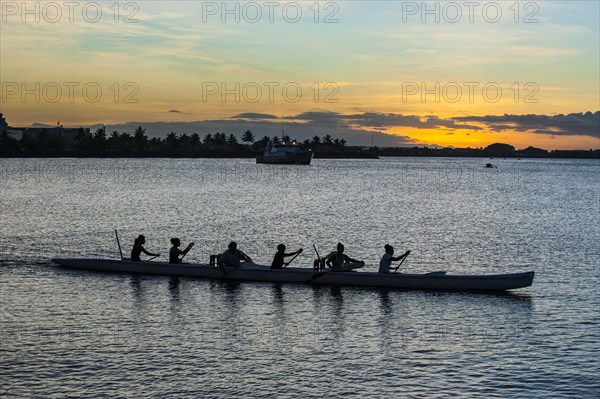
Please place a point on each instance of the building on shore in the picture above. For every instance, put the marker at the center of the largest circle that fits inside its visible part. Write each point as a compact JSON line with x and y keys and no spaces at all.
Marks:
{"x":3,"y":125}
{"x":67,"y":134}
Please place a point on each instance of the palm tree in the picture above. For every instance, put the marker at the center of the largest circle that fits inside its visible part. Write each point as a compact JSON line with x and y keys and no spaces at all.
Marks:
{"x":155,"y":142}
{"x":125,"y":141}
{"x":139,"y":136}
{"x":185,"y":141}
{"x":327,"y":140}
{"x":114,"y":139}
{"x":232,"y":140}
{"x":172,"y":140}
{"x":316,"y":140}
{"x":220,"y":138}
{"x":100,"y":134}
{"x":195,"y":140}
{"x":139,"y":132}
{"x":208,"y":139}
{"x":248,"y":137}
{"x":285,"y":138}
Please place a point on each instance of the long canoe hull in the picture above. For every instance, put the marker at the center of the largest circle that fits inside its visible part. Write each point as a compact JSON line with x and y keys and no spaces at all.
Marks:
{"x":434,"y":281}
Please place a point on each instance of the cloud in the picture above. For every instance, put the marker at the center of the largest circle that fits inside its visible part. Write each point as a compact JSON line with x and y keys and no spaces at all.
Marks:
{"x":381,"y":121}
{"x":253,"y":115}
{"x":576,"y":124}
{"x":388,"y":120}
{"x":364,"y":128}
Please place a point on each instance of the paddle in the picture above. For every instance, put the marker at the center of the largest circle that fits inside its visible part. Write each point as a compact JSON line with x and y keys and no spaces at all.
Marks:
{"x":186,"y":251}
{"x":226,"y":272}
{"x":401,"y":262}
{"x":317,"y":275}
{"x":119,"y":244}
{"x":154,"y":257}
{"x":318,"y":257}
{"x":321,"y":267}
{"x":295,"y":256}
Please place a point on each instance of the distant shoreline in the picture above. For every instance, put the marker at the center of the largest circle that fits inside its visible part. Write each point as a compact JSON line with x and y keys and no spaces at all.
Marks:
{"x":370,"y":154}
{"x":60,"y":143}
{"x":153,"y":154}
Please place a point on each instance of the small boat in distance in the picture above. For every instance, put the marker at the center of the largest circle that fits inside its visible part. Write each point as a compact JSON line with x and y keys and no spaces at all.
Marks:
{"x":300,"y":275}
{"x":285,"y":154}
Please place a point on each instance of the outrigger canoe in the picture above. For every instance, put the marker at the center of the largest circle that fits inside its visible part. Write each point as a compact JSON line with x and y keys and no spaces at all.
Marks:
{"x":255,"y":272}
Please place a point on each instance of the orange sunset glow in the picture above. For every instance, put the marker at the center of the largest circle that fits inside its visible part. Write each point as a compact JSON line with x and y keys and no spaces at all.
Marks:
{"x":200,"y":66}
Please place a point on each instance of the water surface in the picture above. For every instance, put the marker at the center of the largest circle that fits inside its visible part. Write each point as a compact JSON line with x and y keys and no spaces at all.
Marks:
{"x":86,"y":334}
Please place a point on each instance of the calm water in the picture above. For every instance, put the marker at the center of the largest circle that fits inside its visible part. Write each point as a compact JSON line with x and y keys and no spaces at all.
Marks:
{"x":84,"y":334}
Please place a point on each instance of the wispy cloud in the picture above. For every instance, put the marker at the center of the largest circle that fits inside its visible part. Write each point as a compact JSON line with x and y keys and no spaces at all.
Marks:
{"x":577,"y":124}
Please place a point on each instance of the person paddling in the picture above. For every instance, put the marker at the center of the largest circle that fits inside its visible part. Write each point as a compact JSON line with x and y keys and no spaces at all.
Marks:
{"x":336,"y":261}
{"x":138,"y":248}
{"x":175,"y":252}
{"x":388,"y":258}
{"x":232,"y":257}
{"x":278,"y":261}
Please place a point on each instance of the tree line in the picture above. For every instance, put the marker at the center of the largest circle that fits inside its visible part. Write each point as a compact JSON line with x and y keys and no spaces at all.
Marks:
{"x":99,"y":141}
{"x":99,"y":144}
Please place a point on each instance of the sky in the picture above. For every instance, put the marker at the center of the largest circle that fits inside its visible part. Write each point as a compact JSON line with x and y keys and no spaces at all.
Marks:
{"x":458,"y":74}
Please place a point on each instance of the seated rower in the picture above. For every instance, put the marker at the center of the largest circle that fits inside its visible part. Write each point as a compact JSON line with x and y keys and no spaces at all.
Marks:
{"x":138,"y":248}
{"x":388,"y":258}
{"x":278,"y":261}
{"x":175,"y":252}
{"x":337,"y":260}
{"x":232,"y":257}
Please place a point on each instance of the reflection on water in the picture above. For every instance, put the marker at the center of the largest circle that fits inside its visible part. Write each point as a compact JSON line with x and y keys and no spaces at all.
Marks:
{"x":174,"y":288}
{"x":278,"y":300}
{"x":277,"y":292}
{"x":384,"y":297}
{"x":336,"y":306}
{"x":135,"y":281}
